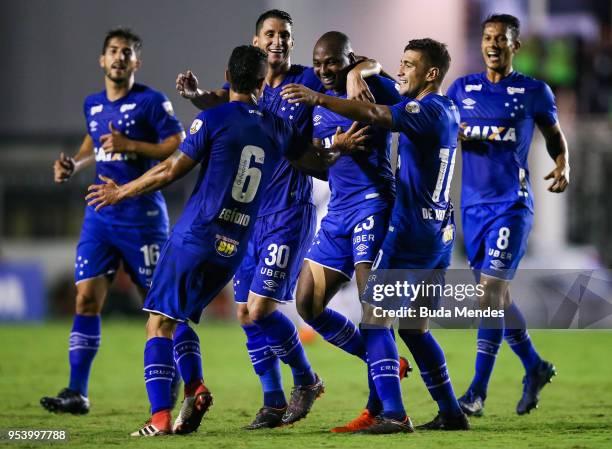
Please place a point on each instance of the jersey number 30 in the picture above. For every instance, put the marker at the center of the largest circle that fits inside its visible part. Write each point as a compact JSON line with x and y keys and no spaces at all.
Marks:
{"x":248,"y":176}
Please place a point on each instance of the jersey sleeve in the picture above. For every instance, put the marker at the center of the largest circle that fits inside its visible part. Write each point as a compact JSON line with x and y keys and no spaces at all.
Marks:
{"x":196,"y":145}
{"x":412,"y":117}
{"x":161,"y":116}
{"x":385,"y":91}
{"x":545,"y":109}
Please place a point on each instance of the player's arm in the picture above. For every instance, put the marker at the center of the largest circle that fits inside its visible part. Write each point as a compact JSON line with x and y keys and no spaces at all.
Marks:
{"x":306,"y":163}
{"x":556,"y":145}
{"x":187,"y":87}
{"x":356,"y":87}
{"x":158,"y":177}
{"x":317,"y":159}
{"x":359,"y":111}
{"x":116,"y":142}
{"x":65,"y":167}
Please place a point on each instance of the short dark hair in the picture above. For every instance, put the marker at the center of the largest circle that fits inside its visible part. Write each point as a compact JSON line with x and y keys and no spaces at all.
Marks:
{"x":435,"y":52}
{"x":513,"y":23}
{"x":247,"y":68}
{"x":126,"y":34}
{"x":272,"y":14}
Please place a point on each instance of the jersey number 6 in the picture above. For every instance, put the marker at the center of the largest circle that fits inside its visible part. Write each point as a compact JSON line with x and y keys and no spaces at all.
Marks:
{"x":248,"y":177}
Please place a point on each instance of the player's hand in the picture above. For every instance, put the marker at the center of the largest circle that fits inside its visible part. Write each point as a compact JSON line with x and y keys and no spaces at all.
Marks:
{"x":296,"y":93}
{"x":560,"y":176}
{"x":354,"y":139}
{"x":63,"y":168}
{"x":115,"y":142}
{"x":102,"y":195}
{"x":187,"y":85}
{"x":357,"y":88}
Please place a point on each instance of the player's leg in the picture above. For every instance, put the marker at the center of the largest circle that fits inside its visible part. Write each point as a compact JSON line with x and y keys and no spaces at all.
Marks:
{"x":95,"y":262}
{"x":265,"y":363}
{"x":384,"y":367}
{"x":158,"y":373}
{"x":430,"y":358}
{"x":282,"y":337}
{"x":538,"y":372}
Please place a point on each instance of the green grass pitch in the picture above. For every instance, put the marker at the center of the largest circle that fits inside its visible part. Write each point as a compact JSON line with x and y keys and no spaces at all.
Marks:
{"x":575,"y":410}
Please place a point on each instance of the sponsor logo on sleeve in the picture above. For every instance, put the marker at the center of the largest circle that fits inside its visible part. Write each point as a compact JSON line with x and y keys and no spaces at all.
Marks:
{"x":168,"y":107}
{"x":412,"y":107}
{"x":195,"y":126}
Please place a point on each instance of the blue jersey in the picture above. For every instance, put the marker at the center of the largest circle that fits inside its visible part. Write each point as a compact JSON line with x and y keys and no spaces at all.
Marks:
{"x":497,"y":127}
{"x":427,"y":143}
{"x":145,"y":115}
{"x":239,"y":148}
{"x":363,"y":176}
{"x":288,"y":185}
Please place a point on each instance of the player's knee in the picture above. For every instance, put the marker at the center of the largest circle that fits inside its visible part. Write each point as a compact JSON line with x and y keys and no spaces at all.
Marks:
{"x":258,"y":312}
{"x":88,"y":304}
{"x":308,"y":308}
{"x":242,"y":313}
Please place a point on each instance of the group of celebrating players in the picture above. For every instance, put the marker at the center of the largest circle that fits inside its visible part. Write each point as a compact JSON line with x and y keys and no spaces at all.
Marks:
{"x":250,"y":217}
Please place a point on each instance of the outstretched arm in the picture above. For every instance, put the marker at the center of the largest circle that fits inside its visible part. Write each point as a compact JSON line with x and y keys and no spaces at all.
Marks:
{"x":187,"y":87}
{"x":116,"y":142}
{"x":556,"y":145}
{"x":65,"y":167}
{"x":163,"y":174}
{"x":359,"y":111}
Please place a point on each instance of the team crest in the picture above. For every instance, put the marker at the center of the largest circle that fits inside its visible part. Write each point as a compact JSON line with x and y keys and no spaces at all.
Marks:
{"x":413,"y":107}
{"x":225,"y":246}
{"x":195,"y":126}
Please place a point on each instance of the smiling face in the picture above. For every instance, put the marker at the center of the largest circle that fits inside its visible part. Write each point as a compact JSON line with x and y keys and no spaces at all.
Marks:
{"x":413,"y":73}
{"x":331,"y":63}
{"x":119,"y":60}
{"x":498,"y":47}
{"x":276,"y":40}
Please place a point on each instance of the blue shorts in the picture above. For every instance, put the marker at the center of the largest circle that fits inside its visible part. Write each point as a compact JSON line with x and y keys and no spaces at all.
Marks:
{"x":186,"y":281}
{"x":349,"y":237}
{"x":102,"y":246}
{"x":496,"y":237}
{"x":275,"y":252}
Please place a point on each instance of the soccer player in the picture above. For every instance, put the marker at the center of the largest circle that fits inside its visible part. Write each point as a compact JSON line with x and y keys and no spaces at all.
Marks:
{"x":239,"y":147}
{"x":130,"y":127}
{"x":284,"y":229}
{"x":421,"y":229}
{"x":499,"y":108}
{"x":362,"y":193}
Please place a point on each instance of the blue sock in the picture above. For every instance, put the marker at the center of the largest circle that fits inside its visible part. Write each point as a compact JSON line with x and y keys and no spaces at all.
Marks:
{"x":84,"y":344}
{"x":518,"y":338}
{"x":282,"y":337}
{"x":383,"y":363}
{"x":187,"y":354}
{"x":339,"y":331}
{"x":158,"y":372}
{"x":266,"y":366}
{"x":490,"y":336}
{"x":429,"y":357}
